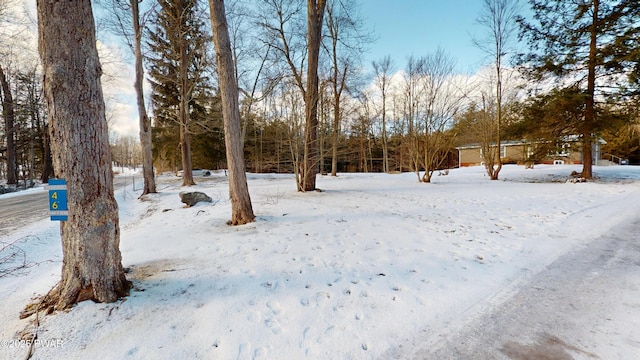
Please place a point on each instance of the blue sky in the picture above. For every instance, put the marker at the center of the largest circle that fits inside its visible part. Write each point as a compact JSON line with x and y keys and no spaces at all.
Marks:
{"x":418,"y":27}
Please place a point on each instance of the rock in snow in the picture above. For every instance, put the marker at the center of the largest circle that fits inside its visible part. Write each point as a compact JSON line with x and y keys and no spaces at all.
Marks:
{"x":192,"y":198}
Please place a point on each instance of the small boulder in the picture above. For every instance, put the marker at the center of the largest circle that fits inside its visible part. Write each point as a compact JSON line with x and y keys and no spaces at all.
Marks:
{"x":192,"y":198}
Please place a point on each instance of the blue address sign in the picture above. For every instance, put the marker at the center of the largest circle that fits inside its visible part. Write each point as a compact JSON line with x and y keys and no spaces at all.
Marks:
{"x":58,"y":209}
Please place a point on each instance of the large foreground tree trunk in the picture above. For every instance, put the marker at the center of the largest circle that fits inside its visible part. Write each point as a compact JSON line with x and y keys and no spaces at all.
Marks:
{"x":145,"y":122}
{"x":241,"y":210}
{"x":92,"y":267}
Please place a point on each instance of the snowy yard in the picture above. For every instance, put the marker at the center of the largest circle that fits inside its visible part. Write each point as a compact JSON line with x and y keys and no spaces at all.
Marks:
{"x":365,"y":269}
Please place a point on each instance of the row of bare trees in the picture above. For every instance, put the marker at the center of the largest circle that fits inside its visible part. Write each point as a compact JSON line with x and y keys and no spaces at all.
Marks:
{"x":343,"y":107}
{"x":262,"y":63}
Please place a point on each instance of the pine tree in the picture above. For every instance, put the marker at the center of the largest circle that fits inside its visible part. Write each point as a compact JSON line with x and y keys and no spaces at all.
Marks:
{"x":581,"y":43}
{"x":180,"y":91}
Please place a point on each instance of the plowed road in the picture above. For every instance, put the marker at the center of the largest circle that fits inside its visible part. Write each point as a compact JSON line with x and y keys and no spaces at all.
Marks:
{"x":18,"y":211}
{"x":585,"y":305}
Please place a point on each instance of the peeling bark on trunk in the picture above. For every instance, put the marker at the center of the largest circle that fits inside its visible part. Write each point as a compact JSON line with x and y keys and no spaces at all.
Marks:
{"x":92,"y":265}
{"x":241,"y":209}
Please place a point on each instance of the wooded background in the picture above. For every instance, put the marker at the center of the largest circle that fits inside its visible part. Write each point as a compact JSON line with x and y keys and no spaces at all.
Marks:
{"x":371,"y":117}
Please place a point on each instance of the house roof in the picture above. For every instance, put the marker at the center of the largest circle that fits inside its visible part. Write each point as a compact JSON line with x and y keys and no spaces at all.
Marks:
{"x":568,"y":138}
{"x":502,"y":143}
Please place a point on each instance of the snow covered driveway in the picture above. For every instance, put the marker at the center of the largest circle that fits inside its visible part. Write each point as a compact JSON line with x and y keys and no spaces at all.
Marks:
{"x":586,"y":305}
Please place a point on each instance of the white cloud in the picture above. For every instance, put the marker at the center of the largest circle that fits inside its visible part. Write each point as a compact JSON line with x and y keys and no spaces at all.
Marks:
{"x":117,"y":86}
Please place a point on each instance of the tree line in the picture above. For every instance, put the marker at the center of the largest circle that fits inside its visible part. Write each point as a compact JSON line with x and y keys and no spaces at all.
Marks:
{"x":395,"y":118}
{"x":411,"y":118}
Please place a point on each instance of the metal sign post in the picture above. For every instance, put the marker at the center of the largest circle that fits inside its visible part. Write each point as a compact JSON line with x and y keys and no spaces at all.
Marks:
{"x":58,"y":209}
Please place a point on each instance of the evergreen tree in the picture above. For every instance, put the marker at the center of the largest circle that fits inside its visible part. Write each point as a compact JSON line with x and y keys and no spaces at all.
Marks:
{"x":589,"y":44}
{"x":182,"y":97}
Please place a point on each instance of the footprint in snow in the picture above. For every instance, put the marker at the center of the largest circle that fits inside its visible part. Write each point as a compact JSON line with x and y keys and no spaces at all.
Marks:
{"x":275,"y":307}
{"x":274,"y":325}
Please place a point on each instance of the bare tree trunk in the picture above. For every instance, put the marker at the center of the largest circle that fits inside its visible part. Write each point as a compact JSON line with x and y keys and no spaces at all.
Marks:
{"x":496,"y":170}
{"x":322,"y":125}
{"x":382,"y":69}
{"x":92,"y":265}
{"x":9,"y":121}
{"x":185,"y":145}
{"x":338,"y":88}
{"x":385,"y":145}
{"x":241,"y":210}
{"x":315,"y":15}
{"x":335,"y":133}
{"x":183,"y":113}
{"x":334,"y":27}
{"x":589,"y":113}
{"x":145,"y":122}
{"x":498,"y":16}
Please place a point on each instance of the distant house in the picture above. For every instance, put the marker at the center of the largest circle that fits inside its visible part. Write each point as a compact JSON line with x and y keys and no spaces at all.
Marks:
{"x":569,"y":151}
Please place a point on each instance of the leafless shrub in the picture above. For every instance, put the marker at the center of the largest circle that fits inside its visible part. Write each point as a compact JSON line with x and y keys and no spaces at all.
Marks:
{"x":13,"y":259}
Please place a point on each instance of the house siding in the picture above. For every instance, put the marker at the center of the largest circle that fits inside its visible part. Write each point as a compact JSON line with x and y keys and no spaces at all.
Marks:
{"x":515,"y":153}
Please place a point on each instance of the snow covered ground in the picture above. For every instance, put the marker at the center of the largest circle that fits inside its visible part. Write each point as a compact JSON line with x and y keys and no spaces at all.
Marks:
{"x":362,"y":270}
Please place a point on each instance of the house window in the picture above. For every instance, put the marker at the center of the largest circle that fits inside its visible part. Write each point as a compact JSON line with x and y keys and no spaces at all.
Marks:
{"x":503,"y":151}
